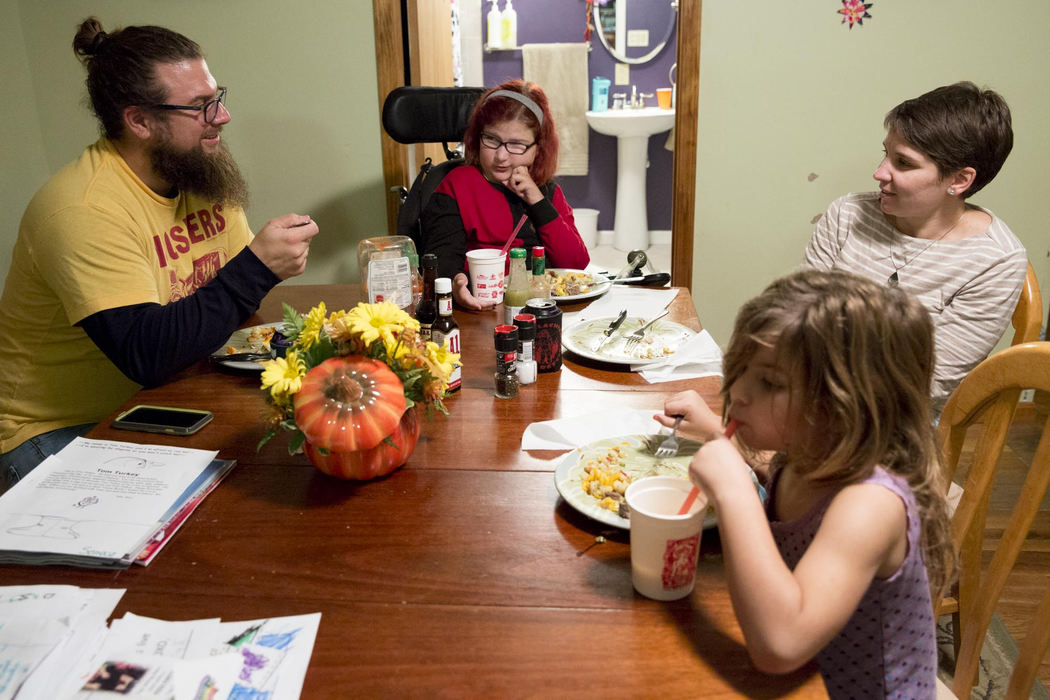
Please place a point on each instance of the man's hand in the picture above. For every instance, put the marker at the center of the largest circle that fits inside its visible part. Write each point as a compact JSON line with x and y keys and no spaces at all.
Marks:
{"x":283,"y":244}
{"x":462,"y":296}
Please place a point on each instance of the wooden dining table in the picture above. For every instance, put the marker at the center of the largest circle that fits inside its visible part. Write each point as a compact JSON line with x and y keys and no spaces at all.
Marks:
{"x":461,"y":574}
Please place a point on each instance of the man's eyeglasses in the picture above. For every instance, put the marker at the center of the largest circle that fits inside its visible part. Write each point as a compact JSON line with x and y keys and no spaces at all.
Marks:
{"x":513,"y":147}
{"x":209,"y":108}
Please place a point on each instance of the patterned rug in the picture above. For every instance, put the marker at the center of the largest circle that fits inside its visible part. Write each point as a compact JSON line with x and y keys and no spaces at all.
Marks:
{"x":997,"y":661}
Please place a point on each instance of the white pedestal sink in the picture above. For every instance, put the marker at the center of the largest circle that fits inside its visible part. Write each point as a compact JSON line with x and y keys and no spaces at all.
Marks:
{"x":632,"y":127}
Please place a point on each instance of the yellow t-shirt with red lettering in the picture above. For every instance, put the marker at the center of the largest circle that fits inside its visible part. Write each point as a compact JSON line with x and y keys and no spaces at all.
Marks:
{"x":95,"y":237}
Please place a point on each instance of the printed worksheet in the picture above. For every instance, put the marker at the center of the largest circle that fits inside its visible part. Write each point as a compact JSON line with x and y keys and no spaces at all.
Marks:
{"x":97,"y":498}
{"x":44,"y":631}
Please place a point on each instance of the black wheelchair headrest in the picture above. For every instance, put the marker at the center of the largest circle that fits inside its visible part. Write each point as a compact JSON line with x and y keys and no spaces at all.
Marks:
{"x":416,"y":114}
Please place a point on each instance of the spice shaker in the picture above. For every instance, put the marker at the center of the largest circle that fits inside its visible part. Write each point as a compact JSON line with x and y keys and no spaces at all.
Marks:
{"x":506,"y":339}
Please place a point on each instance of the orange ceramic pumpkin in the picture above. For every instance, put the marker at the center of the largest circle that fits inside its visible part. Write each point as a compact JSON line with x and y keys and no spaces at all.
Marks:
{"x":346,"y":408}
{"x":376,"y":461}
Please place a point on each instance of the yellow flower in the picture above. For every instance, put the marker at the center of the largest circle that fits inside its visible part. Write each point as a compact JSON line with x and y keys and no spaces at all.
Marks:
{"x":440,"y":361}
{"x":283,"y":376}
{"x":338,"y":327}
{"x":383,"y":319}
{"x":312,"y":326}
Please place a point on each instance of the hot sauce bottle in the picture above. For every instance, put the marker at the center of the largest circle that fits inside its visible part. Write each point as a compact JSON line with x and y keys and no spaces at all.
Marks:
{"x":445,"y":327}
{"x":426,"y":312}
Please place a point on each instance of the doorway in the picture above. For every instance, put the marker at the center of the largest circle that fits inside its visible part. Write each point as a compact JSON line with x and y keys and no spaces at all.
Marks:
{"x":391,"y":24}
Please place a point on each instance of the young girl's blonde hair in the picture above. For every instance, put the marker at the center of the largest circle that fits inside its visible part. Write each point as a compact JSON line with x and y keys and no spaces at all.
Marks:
{"x":863,"y":357}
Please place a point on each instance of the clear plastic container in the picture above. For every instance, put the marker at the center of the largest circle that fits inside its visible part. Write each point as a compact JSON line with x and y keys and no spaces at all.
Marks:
{"x":389,"y":267}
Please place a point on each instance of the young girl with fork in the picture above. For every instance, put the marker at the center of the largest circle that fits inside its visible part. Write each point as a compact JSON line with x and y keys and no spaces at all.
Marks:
{"x":831,"y":373}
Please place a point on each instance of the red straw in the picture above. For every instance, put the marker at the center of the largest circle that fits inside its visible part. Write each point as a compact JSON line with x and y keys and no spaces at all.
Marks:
{"x":514,"y":233}
{"x":691,"y":498}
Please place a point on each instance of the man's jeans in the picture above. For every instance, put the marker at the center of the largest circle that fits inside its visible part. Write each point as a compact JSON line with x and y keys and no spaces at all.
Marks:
{"x":15,"y":464}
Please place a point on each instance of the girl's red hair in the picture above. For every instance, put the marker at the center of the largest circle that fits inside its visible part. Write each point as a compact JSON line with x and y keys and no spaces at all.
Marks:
{"x":502,"y":109}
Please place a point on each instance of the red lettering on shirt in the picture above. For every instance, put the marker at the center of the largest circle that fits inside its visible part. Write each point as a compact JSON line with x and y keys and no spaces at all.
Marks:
{"x":200,"y":226}
{"x":192,"y":228}
{"x":172,"y":255}
{"x":160,"y":251}
{"x":205,"y":218}
{"x":182,"y":244}
{"x":220,"y":222}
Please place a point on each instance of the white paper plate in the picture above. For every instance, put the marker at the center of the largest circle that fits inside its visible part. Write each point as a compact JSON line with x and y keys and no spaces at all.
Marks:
{"x":639,"y":460}
{"x":600,"y":286}
{"x":244,"y":340}
{"x":661,"y":337}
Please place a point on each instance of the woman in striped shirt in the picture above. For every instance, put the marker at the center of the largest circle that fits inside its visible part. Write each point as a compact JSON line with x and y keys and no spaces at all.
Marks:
{"x":918,"y":231}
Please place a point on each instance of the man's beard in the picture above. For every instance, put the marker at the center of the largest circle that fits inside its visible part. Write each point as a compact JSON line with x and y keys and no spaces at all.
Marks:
{"x":214,"y":176}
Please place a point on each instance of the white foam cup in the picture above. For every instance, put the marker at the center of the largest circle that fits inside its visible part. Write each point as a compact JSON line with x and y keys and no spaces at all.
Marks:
{"x":587,"y":224}
{"x":664,"y":545}
{"x":486,"y":266}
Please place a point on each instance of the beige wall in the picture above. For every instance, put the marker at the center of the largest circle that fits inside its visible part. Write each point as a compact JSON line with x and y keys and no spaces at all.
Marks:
{"x":24,"y":162}
{"x":303,"y":98}
{"x":787,"y":92}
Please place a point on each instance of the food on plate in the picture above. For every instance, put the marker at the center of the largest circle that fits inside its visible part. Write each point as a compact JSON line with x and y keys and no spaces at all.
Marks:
{"x":570,"y":283}
{"x":650,"y":348}
{"x":257,"y":339}
{"x":606,"y":470}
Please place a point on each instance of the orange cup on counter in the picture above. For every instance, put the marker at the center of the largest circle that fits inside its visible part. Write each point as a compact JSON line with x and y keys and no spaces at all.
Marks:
{"x":663,"y":98}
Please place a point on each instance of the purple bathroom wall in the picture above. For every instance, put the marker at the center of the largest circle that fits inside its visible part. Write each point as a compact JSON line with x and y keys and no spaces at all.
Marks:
{"x":552,"y":21}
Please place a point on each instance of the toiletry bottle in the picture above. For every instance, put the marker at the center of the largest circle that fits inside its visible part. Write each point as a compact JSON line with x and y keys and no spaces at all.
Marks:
{"x":510,"y":26}
{"x":495,"y":26}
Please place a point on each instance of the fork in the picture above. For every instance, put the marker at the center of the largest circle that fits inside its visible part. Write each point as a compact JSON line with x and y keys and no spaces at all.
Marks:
{"x":639,"y":333}
{"x":669,"y":447}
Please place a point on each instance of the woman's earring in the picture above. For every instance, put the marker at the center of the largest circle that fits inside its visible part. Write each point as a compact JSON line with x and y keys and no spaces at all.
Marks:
{"x":951,"y":190}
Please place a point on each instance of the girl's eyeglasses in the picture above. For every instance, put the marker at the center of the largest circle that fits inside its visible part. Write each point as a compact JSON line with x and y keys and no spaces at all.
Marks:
{"x":516,"y":148}
{"x":209,"y":108}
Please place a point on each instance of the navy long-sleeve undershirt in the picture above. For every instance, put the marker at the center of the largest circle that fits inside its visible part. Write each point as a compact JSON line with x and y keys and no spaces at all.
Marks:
{"x":151,"y":342}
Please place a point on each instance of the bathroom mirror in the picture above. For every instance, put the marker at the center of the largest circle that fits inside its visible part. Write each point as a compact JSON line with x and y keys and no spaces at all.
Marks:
{"x":617,"y":22}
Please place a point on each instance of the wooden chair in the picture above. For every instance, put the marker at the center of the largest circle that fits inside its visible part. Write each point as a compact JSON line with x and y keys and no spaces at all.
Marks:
{"x":989,"y":395}
{"x":1027,"y":319}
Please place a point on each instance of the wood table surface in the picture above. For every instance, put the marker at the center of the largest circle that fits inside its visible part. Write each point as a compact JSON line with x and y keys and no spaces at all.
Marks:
{"x":463,"y":573}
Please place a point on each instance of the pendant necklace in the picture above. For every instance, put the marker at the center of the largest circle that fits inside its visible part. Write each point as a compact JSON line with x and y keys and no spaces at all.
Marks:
{"x":894,"y":279}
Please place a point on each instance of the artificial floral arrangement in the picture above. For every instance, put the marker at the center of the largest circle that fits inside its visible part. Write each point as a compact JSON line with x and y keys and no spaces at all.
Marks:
{"x":348,"y":378}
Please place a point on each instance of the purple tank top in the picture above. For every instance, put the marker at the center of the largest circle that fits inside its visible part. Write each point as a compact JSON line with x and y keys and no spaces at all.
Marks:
{"x":888,"y":648}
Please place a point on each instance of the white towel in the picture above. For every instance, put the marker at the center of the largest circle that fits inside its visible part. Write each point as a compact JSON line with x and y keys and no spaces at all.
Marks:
{"x":561,"y":70}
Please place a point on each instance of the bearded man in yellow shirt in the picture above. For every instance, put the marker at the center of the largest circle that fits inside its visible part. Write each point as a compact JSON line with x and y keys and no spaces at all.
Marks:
{"x":135,"y":260}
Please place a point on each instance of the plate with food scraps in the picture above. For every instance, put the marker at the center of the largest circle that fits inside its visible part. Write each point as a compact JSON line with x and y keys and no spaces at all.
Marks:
{"x":575,"y":285}
{"x":592,"y":478}
{"x":661,"y":340}
{"x":254,"y":339}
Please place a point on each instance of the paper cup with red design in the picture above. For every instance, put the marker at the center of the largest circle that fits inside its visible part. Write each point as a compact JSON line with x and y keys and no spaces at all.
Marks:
{"x":486,"y":266}
{"x":664,"y":545}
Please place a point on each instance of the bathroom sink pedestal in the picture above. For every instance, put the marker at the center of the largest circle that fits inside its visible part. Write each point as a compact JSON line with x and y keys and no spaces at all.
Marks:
{"x":632,"y":128}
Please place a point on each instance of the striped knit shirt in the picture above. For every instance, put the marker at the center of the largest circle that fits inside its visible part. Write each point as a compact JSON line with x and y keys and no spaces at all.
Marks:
{"x":969,"y":286}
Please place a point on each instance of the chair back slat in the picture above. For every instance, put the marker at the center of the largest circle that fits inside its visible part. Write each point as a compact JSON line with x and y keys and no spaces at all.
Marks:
{"x":1027,"y":318}
{"x":988,"y":397}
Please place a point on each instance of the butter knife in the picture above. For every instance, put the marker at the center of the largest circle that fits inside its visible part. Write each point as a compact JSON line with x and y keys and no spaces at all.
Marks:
{"x":609,"y":331}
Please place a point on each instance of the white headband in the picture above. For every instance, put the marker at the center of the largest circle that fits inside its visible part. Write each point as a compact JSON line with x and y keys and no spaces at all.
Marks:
{"x":533,"y":107}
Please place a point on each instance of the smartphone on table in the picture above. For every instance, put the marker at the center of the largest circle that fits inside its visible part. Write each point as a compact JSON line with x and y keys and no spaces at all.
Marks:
{"x":163,"y":419}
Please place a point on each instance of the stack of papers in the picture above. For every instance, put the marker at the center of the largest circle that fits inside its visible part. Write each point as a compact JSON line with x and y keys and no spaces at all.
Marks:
{"x":54,"y":644}
{"x":102,"y":503}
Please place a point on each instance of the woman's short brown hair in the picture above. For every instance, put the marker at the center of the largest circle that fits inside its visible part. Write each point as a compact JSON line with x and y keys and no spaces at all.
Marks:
{"x":491,"y":110}
{"x":957,"y":126}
